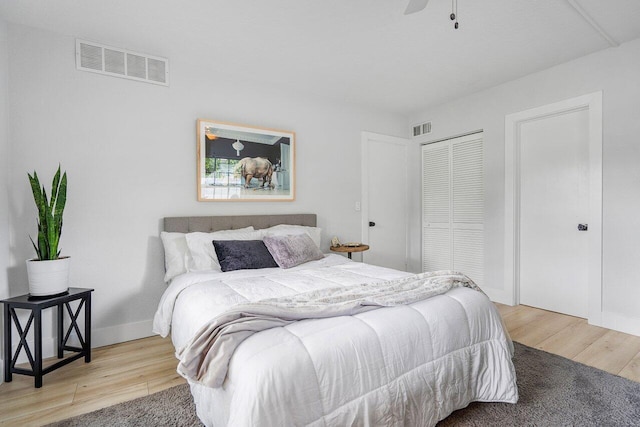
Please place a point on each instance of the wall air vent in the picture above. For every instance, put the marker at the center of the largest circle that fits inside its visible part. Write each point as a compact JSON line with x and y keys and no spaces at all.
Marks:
{"x":113,"y":61}
{"x":421,"y":129}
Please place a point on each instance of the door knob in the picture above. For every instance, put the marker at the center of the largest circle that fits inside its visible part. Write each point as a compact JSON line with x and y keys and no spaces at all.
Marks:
{"x":583,"y":227}
{"x":372,"y":224}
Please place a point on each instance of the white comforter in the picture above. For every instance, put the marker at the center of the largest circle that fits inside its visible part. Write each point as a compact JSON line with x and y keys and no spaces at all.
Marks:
{"x":406,"y":365}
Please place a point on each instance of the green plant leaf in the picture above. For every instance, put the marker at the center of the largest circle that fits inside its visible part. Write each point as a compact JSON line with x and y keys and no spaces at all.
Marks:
{"x":42,"y":242}
{"x":54,"y":189}
{"x":37,"y":195}
{"x":49,"y":214}
{"x":35,"y":247}
{"x":61,"y":201}
{"x":51,"y":233}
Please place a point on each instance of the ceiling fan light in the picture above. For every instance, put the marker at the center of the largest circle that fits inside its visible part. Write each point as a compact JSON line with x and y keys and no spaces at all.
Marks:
{"x":238,"y":146}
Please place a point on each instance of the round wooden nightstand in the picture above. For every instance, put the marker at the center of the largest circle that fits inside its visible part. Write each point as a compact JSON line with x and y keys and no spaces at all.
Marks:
{"x":349,"y":249}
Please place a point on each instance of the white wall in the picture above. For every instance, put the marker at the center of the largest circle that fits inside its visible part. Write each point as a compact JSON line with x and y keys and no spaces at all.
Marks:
{"x":4,"y":162}
{"x":616,"y":72}
{"x":129,"y":151}
{"x":4,"y":166}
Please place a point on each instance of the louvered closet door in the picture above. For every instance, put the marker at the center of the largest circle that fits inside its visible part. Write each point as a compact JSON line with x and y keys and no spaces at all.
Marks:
{"x":468,"y":207}
{"x":453,"y":206}
{"x":436,"y":207}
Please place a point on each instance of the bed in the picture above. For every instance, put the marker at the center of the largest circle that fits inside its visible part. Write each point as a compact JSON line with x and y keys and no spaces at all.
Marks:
{"x":410,"y":364}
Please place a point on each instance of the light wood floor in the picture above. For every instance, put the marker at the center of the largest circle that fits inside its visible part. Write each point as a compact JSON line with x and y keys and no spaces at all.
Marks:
{"x":117,"y":373}
{"x":133,"y":369}
{"x":571,"y":337}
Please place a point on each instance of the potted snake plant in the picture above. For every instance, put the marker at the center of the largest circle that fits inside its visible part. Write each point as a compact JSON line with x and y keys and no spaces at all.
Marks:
{"x":49,"y":272}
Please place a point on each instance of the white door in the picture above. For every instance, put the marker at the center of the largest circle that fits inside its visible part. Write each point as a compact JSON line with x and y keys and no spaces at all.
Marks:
{"x":453,"y":206}
{"x":384,"y":198}
{"x":554,"y":200}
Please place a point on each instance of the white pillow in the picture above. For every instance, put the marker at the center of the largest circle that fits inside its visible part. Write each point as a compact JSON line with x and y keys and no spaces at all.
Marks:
{"x":177,"y":257}
{"x":286,"y":229}
{"x":203,"y":253}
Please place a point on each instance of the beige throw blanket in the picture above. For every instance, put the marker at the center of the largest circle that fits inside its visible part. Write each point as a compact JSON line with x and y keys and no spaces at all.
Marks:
{"x":205,"y":358}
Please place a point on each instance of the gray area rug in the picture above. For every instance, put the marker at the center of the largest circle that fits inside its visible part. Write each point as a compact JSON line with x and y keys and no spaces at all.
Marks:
{"x":554,"y":391}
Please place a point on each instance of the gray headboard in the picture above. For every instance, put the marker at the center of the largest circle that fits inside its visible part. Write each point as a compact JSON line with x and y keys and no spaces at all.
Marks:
{"x":188,"y":224}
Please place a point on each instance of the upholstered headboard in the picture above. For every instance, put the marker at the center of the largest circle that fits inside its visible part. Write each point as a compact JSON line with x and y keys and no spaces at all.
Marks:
{"x":188,"y":224}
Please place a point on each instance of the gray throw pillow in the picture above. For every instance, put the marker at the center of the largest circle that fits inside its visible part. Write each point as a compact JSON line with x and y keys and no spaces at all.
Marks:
{"x":291,"y":250}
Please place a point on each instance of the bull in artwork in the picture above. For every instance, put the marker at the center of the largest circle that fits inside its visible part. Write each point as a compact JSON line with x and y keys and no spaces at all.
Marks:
{"x":254,"y":167}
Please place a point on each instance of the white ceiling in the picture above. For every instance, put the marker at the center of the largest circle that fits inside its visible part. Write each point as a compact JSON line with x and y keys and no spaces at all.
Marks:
{"x":365,"y":52}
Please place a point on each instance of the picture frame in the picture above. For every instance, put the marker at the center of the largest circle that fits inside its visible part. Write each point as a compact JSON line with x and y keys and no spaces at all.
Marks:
{"x":244,"y":163}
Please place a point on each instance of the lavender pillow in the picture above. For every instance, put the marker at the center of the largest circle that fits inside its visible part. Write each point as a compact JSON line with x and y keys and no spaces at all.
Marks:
{"x":243,"y":254}
{"x":291,"y":250}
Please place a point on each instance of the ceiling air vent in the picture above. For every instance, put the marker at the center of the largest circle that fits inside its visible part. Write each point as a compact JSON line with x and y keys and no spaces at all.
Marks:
{"x":113,"y":61}
{"x":421,"y":129}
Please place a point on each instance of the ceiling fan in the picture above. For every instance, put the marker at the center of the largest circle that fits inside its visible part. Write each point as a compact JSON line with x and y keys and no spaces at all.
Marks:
{"x":417,"y":5}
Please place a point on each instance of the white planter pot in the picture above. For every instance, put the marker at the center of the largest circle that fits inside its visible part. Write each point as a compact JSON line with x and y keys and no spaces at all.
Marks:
{"x":48,"y":277}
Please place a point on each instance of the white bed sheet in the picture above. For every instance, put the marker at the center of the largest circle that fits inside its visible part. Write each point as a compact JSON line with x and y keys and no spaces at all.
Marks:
{"x":408,"y":365}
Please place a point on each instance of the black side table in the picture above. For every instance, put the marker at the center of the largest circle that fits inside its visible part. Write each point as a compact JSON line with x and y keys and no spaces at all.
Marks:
{"x":36,"y":305}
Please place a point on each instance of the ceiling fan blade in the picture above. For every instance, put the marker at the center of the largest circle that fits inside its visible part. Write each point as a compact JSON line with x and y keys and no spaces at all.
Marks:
{"x":415,"y":6}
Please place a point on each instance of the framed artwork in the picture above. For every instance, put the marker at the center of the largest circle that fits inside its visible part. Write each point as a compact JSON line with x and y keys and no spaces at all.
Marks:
{"x":244,"y":163}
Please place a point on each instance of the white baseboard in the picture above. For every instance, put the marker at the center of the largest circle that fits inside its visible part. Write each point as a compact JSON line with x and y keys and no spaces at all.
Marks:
{"x":49,"y":349}
{"x":605,"y":319}
{"x":133,"y":331}
{"x":498,"y":295}
{"x":99,"y":338}
{"x":121,"y":333}
{"x":621,"y":323}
